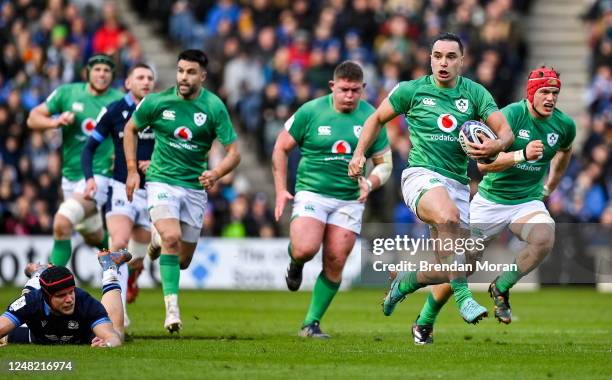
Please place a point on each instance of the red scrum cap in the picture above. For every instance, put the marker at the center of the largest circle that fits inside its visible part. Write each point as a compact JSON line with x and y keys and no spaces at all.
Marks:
{"x":542,"y":77}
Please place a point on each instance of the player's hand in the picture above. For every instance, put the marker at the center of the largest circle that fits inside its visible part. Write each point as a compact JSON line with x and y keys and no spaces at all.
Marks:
{"x":99,"y":342}
{"x":208,"y":179}
{"x":488,"y":148}
{"x":65,"y":118}
{"x":132,"y":182}
{"x":143,"y":165}
{"x":364,"y":190}
{"x":90,"y":189}
{"x":534,"y":150}
{"x":281,"y":200}
{"x":356,"y":165}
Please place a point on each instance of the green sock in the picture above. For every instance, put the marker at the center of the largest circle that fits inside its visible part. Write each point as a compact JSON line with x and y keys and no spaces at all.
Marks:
{"x":430,"y":311}
{"x":508,"y":279}
{"x":60,"y":254}
{"x":322,"y":295}
{"x":409,"y":283}
{"x":293,"y":260}
{"x":104,"y":243}
{"x":460,"y":289}
{"x":170,"y":273}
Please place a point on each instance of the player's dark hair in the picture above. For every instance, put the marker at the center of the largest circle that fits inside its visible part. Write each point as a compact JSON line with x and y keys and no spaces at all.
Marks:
{"x":447,"y":36}
{"x":139,"y":65}
{"x":194,"y":55}
{"x":349,"y":70}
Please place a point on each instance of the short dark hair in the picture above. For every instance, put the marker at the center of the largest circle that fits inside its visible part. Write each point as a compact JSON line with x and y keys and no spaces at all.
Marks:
{"x":194,"y":55}
{"x":349,"y":70}
{"x":448,"y":37}
{"x":139,"y":65}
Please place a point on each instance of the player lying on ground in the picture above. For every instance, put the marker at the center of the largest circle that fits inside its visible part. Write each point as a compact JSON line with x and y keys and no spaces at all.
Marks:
{"x":186,"y":119}
{"x":76,"y":106}
{"x":57,"y":312}
{"x":510,"y":194}
{"x":328,"y":205}
{"x":435,"y":183}
{"x":128,"y":222}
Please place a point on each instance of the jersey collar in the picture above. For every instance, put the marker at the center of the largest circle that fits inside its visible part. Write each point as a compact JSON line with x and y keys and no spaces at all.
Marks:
{"x":129,"y":99}
{"x":46,"y":308}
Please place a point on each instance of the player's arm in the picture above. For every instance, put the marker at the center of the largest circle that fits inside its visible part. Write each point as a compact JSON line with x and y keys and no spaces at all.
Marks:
{"x":371,"y":129}
{"x":96,"y":138}
{"x":284,"y":144}
{"x":383,"y":165}
{"x":130,"y":144}
{"x":6,"y":326}
{"x":489,"y":147}
{"x":40,"y":118}
{"x":505,"y":160}
{"x":558,"y":165}
{"x":106,"y":336}
{"x":227,"y":164}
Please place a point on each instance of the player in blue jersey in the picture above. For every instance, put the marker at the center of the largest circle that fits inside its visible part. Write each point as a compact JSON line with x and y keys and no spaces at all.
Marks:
{"x":127,"y":222}
{"x":57,"y":312}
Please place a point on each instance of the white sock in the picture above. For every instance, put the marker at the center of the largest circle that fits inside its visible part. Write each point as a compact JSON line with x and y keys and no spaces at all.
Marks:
{"x":123,"y":281}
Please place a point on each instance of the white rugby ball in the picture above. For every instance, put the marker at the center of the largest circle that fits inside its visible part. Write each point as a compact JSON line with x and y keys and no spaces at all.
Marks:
{"x":469,"y":132}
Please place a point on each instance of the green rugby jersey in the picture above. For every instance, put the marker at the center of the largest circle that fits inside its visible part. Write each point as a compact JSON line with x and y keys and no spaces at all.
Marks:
{"x":435,"y":115}
{"x":327,"y":139}
{"x":86,"y":107}
{"x":184,"y":133}
{"x":523,"y":182}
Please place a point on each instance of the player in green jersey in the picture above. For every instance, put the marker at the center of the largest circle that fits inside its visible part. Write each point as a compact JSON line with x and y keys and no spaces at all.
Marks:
{"x":186,"y":119}
{"x":510,"y":194}
{"x":78,"y":105}
{"x":328,"y":205}
{"x":435,"y":183}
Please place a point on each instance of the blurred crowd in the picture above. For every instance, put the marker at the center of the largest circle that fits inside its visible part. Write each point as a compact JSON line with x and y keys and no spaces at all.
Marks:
{"x":268,"y":57}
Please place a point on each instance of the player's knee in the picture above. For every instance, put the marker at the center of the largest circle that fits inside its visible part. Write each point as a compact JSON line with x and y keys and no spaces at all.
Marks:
{"x":62,"y":228}
{"x":542,"y":238}
{"x":304,"y":249}
{"x":447,"y":217}
{"x":120,"y":242}
{"x":171,"y":239}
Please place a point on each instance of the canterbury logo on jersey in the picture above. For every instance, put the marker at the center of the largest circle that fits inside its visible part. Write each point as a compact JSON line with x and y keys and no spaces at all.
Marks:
{"x":523,"y":134}
{"x":168,"y":115}
{"x":324,"y":130}
{"x":429,"y":102}
{"x":78,"y":107}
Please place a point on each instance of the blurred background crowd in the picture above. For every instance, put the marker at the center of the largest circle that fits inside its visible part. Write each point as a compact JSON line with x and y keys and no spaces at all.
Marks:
{"x":268,"y":57}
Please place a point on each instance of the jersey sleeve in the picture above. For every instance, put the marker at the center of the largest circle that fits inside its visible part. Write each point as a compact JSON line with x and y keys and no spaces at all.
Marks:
{"x":297,"y":125}
{"x":570,"y":136}
{"x":20,"y":310}
{"x":401,"y":96}
{"x":55,"y":101}
{"x":104,"y":125}
{"x":484,"y":102}
{"x":223,"y":126}
{"x":144,"y":115}
{"x":380,"y":144}
{"x":94,"y":312}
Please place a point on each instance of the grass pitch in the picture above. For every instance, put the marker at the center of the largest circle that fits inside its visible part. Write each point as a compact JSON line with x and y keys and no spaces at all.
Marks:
{"x":557,"y":334}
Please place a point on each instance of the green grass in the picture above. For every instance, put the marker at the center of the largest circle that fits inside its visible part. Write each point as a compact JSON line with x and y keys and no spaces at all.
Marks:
{"x":558,"y":334}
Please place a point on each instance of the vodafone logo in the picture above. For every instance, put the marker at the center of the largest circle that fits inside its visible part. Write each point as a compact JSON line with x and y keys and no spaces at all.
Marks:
{"x":447,"y":122}
{"x":88,"y":125}
{"x":341,"y":147}
{"x":183,"y":133}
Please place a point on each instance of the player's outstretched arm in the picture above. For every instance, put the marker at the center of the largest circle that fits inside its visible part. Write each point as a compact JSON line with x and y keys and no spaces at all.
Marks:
{"x":505,"y":160}
{"x":284,"y":144}
{"x":558,"y":165}
{"x":40,"y":118}
{"x":6,"y":326}
{"x":370,"y":131}
{"x":130,"y":143}
{"x":106,"y":336}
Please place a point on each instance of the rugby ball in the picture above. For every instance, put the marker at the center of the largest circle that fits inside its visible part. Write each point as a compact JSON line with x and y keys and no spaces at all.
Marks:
{"x":469,"y":132}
